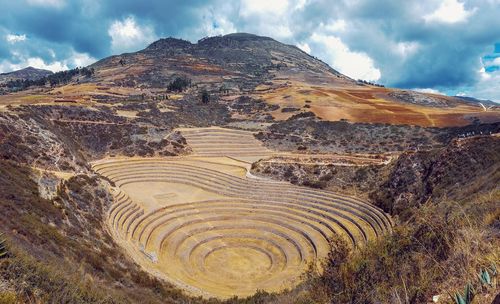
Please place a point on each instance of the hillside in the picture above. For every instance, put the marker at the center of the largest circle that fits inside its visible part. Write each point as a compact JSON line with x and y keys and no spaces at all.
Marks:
{"x":236,"y":62}
{"x":458,"y":170}
{"x":463,"y":168}
{"x":285,"y":77}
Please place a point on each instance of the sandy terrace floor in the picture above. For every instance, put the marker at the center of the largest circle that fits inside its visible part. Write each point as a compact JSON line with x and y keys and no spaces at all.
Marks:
{"x":205,"y":224}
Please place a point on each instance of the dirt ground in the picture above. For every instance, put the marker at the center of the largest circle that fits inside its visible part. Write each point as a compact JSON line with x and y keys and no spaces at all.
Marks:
{"x":366,"y":105}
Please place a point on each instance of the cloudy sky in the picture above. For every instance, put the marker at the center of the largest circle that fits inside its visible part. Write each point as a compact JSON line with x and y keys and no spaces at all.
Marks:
{"x":446,"y":46}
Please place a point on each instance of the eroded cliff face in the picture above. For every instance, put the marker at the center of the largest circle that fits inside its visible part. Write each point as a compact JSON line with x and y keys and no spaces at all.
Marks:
{"x":354,"y":178}
{"x":459,"y":170}
{"x":463,"y":168}
{"x":65,"y":138}
{"x":59,"y":248}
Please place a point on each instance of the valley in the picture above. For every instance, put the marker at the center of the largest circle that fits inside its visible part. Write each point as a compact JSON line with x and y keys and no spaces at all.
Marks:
{"x":187,"y":217}
{"x":239,"y":169}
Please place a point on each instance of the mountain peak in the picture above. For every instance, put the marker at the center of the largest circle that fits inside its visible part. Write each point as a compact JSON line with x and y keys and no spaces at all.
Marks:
{"x":29,"y":73}
{"x":226,"y":40}
{"x":28,"y":69}
{"x":169,"y":43}
{"x":240,"y":60}
{"x":236,"y":37}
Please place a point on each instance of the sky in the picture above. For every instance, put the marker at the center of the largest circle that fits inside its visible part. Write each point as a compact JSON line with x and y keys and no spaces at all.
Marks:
{"x":442,"y":46}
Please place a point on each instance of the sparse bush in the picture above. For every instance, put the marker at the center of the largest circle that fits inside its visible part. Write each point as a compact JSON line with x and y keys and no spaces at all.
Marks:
{"x":435,"y":249}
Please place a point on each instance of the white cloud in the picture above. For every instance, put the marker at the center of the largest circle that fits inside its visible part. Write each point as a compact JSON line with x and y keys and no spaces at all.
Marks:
{"x":51,"y":3}
{"x":75,"y":60}
{"x":486,"y":88}
{"x":36,"y":62}
{"x":491,"y":62}
{"x":268,"y":18}
{"x":81,"y":59}
{"x":335,"y":26}
{"x":274,"y":7}
{"x":214,"y":21}
{"x":215,"y":24}
{"x":449,"y":11}
{"x":405,"y":49}
{"x":483,"y":75}
{"x":52,"y":53}
{"x":301,"y":4}
{"x":428,"y":90}
{"x":305,"y":47}
{"x":11,"y":38}
{"x":127,"y":35}
{"x":353,"y":64}
{"x":54,"y":66}
{"x":282,"y":31}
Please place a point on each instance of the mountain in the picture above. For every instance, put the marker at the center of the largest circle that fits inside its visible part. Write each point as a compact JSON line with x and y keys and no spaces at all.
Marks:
{"x":485,"y":102}
{"x":29,"y":73}
{"x":240,"y":62}
{"x":283,"y":76}
{"x":287,"y":80}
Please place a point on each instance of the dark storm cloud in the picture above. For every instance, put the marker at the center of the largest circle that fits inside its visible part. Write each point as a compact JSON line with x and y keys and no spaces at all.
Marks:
{"x":84,"y":24}
{"x":65,"y":25}
{"x":396,"y":38}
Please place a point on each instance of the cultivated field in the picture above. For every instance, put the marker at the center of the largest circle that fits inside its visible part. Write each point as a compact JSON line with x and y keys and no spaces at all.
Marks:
{"x":203,"y":222}
{"x":368,"y":105}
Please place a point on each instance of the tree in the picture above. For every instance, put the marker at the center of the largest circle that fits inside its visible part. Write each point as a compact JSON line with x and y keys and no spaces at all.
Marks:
{"x":205,"y":96}
{"x":62,"y":77}
{"x":179,"y":84}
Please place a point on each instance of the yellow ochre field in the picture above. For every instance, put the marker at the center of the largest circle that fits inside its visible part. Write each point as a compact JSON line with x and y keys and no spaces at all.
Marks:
{"x":205,"y":223}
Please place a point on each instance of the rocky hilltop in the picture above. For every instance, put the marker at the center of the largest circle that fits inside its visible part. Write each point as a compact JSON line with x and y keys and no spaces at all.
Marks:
{"x":236,"y":62}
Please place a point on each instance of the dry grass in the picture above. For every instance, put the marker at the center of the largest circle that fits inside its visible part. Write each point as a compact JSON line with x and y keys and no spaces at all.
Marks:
{"x":366,"y":105}
{"x":440,"y":249}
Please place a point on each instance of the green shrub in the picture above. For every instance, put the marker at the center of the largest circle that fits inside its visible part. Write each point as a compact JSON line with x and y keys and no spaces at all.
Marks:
{"x":467,"y":296}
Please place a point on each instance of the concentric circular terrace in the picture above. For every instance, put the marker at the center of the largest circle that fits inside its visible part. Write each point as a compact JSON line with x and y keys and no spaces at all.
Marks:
{"x":204,"y":223}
